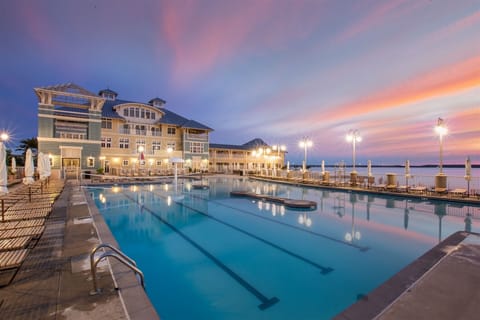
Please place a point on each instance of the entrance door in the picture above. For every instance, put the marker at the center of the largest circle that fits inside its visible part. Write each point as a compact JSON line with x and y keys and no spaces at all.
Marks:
{"x":71,"y":167}
{"x":107,"y":166}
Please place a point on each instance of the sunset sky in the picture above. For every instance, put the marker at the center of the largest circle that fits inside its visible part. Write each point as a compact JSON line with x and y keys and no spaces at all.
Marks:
{"x":273,"y":69}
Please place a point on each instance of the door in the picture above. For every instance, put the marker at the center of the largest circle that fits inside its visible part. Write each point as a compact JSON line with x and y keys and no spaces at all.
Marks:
{"x":71,"y":167}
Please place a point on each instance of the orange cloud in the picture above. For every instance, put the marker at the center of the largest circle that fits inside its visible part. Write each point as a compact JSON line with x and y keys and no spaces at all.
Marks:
{"x":448,"y":80}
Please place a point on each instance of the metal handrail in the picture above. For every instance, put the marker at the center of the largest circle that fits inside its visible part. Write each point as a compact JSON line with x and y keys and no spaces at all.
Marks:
{"x":117,"y":254}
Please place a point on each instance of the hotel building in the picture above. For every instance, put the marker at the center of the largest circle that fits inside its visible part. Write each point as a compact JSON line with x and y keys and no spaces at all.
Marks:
{"x":253,"y":156}
{"x":84,"y":131}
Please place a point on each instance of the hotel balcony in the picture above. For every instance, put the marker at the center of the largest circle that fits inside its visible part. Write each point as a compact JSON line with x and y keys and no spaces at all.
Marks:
{"x":196,"y":137}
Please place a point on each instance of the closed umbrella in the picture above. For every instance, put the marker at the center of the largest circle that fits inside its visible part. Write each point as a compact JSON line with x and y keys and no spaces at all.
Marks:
{"x":47,"y":167}
{"x":369,"y":168}
{"x":14,"y":165}
{"x":407,"y":168}
{"x":323,"y":166}
{"x":41,"y":166}
{"x":29,"y":168}
{"x":468,"y":173}
{"x":3,"y":169}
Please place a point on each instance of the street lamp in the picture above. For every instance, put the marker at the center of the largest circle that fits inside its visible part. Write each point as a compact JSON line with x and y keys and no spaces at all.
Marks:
{"x":4,"y":136}
{"x":305,"y":143}
{"x":353,"y":136}
{"x":441,"y":130}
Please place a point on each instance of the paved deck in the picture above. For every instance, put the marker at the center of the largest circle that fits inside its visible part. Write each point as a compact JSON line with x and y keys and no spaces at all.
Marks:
{"x":54,"y":281}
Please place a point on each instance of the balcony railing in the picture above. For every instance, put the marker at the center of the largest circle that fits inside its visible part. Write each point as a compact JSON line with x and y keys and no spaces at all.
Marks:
{"x":198,"y":137}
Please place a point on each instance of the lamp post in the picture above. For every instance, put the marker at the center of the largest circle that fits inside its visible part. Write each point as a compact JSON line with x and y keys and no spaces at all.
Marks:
{"x":441,"y":178}
{"x":353,"y":136}
{"x":305,"y":143}
{"x":278,"y":148}
{"x":441,"y":130}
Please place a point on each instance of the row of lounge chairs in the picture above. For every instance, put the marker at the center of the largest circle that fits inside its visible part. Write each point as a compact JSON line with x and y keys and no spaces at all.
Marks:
{"x":24,"y":212}
{"x":369,"y":183}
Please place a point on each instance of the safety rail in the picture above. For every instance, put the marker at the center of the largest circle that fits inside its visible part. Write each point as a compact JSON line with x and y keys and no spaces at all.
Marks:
{"x":117,"y":254}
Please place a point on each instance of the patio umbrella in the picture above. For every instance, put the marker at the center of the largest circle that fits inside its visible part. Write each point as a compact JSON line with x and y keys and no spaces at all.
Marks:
{"x":3,"y":169}
{"x":47,"y":168}
{"x":14,"y":165}
{"x":29,"y":167}
{"x":468,"y":168}
{"x":41,"y":166}
{"x":468,"y":173}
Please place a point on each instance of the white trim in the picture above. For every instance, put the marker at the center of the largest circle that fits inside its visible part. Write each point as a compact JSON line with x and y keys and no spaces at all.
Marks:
{"x":51,"y":116}
{"x":60,"y":140}
{"x":70,"y":147}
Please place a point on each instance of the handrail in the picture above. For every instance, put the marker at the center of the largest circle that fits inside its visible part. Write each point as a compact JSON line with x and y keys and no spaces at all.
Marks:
{"x":117,"y":254}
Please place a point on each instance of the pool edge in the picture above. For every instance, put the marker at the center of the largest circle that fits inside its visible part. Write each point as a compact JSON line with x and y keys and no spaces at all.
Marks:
{"x":135,"y":299}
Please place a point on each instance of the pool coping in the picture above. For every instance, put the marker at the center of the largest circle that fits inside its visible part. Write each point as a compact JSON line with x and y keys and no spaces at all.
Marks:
{"x":135,"y":300}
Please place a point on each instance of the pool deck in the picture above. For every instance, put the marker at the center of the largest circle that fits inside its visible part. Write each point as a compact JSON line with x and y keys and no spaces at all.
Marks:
{"x":55,"y":280}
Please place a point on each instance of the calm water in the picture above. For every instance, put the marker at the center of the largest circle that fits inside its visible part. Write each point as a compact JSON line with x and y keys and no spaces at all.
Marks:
{"x":207,"y":255}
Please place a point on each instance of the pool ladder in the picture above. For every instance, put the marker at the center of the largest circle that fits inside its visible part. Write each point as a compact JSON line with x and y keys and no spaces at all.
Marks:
{"x":117,"y":254}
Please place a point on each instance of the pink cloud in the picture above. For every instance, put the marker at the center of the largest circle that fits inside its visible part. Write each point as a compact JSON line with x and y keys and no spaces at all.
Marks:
{"x":203,"y":39}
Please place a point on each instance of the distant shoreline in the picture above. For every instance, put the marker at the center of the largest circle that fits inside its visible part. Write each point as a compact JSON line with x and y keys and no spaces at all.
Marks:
{"x":388,"y":166}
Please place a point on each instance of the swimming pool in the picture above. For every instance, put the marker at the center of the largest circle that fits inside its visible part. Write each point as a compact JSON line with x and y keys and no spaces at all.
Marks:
{"x":207,"y":255}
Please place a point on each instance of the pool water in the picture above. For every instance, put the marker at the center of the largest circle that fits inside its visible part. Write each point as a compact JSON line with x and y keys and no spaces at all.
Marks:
{"x":207,"y":255}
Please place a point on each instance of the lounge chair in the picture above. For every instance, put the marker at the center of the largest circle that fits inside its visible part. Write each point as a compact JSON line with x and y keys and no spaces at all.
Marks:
{"x":12,"y":259}
{"x":458,"y":192}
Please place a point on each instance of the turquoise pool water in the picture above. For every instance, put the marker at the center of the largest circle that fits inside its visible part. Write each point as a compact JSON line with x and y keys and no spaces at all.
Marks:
{"x":207,"y":255}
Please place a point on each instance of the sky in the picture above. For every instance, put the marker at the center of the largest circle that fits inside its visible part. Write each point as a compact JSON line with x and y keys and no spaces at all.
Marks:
{"x":279,"y":70}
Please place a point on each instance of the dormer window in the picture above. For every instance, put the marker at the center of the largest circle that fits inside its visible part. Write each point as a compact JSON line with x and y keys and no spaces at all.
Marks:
{"x":108,"y":94}
{"x":157,"y":102}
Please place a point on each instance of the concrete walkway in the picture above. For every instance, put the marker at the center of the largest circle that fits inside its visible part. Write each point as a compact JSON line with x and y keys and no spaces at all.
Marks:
{"x":443,"y":284}
{"x":54,"y":281}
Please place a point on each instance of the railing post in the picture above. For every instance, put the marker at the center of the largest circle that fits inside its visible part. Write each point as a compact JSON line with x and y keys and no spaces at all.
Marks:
{"x":3,"y":210}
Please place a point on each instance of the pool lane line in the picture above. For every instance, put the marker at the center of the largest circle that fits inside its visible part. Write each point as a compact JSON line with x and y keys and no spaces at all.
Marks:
{"x":265,"y":302}
{"x":356,"y":246}
{"x":323,"y":269}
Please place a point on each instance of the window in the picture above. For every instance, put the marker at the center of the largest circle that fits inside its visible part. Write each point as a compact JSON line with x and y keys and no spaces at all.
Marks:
{"x":171,"y":145}
{"x":196,"y":147}
{"x":124,"y":143}
{"x":90,"y":162}
{"x":106,"y":123}
{"x":156,"y":145}
{"x":125,"y":112}
{"x":153,"y":115}
{"x":142,"y":113}
{"x":125,"y":163}
{"x":156,"y":131}
{"x":171,"y":131}
{"x":132,"y":112}
{"x":147,"y":114}
{"x":137,"y":113}
{"x":106,"y":142}
{"x":159,"y":162}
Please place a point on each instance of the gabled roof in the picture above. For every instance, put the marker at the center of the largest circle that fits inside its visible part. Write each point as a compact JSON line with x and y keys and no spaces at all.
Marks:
{"x":250,"y":145}
{"x":227,"y":146}
{"x":69,"y":88}
{"x":255,"y":143}
{"x":192,"y":124}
